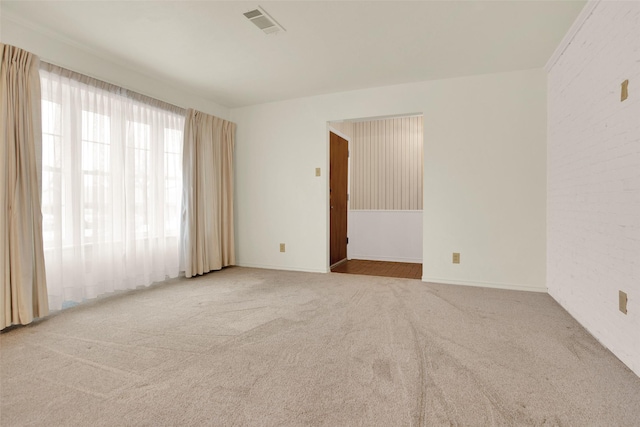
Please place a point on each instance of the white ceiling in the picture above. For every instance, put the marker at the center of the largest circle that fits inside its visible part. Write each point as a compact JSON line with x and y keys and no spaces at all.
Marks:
{"x":210,"y":48}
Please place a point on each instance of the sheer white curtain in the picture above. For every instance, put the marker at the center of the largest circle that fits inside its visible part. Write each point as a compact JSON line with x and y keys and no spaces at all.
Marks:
{"x":112,"y":183}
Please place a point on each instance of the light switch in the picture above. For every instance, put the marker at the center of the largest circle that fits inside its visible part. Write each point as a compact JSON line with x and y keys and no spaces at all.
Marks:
{"x":317,"y":171}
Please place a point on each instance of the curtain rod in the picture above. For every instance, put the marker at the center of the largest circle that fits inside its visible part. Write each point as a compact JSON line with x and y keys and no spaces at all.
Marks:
{"x":101,"y":84}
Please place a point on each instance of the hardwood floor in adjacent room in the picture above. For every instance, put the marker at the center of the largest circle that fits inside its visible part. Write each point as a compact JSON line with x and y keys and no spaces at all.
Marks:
{"x":404,"y":270}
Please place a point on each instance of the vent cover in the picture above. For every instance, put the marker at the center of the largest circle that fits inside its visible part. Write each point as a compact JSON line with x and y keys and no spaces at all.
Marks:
{"x":262,"y":20}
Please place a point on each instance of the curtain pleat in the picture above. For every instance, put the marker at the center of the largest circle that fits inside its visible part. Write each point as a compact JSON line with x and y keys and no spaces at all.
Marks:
{"x":22,"y":272}
{"x":207,"y":207}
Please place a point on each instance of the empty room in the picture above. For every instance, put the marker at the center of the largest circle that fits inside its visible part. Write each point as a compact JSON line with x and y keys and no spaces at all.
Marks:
{"x":166,"y":213}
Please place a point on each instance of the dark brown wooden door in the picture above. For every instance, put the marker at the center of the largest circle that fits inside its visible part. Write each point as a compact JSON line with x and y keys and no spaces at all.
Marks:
{"x":338,"y":177}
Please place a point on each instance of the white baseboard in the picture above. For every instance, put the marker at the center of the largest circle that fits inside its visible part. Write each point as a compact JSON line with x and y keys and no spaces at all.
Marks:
{"x":510,"y":286}
{"x":282,"y":267}
{"x":390,"y":259}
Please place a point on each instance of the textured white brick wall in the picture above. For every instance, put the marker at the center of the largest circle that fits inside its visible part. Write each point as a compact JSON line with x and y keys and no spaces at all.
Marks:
{"x":593,"y":202}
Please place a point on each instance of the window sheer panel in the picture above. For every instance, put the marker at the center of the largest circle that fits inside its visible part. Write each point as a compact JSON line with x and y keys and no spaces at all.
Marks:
{"x":112,"y":183}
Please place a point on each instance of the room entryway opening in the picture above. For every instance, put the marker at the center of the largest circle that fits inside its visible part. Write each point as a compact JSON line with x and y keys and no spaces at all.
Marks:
{"x":375,"y":206}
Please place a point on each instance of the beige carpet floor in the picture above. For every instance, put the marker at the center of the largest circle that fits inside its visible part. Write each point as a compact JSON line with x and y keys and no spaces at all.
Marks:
{"x":267,"y":348}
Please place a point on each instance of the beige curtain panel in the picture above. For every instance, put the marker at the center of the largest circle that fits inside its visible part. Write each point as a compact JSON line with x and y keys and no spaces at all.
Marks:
{"x":22,"y":274}
{"x":207,"y":204}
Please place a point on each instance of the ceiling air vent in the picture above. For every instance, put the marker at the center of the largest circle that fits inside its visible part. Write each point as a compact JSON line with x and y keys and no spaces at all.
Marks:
{"x":262,"y":20}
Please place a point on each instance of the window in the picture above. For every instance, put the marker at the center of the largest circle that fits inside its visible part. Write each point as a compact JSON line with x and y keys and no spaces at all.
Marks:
{"x":111,"y":193}
{"x":140,"y":149}
{"x":51,"y":171}
{"x":173,"y":179}
{"x":96,"y":164}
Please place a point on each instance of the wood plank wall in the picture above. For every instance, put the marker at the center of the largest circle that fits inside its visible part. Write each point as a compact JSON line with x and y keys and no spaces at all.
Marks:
{"x":387,"y":164}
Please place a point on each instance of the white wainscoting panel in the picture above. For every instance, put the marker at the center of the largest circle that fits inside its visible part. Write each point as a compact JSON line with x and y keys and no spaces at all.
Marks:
{"x":385,"y":235}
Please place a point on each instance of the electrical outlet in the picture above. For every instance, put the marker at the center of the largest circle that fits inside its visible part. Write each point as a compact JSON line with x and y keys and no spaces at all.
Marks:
{"x":281,"y":247}
{"x":622,"y":301}
{"x":456,"y":258}
{"x":317,"y":171}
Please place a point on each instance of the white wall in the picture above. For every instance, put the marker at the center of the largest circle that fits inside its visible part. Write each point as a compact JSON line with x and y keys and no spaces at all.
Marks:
{"x":56,"y":50}
{"x":385,"y":235}
{"x":484,"y":178}
{"x":594,"y":178}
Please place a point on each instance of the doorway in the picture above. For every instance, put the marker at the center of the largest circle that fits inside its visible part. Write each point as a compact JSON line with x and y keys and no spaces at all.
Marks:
{"x":338,"y":188}
{"x":382,"y":199}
